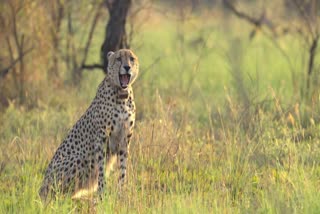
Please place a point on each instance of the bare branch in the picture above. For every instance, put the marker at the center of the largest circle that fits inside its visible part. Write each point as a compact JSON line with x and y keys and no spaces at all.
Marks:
{"x":306,"y":18}
{"x":242,"y":15}
{"x":12,"y":59}
{"x":312,"y":55}
{"x":93,"y":66}
{"x":258,"y":23}
{"x":93,"y":26}
{"x":5,"y":71}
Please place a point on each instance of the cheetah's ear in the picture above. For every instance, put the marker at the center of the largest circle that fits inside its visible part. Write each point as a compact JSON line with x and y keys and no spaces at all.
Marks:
{"x":110,"y":53}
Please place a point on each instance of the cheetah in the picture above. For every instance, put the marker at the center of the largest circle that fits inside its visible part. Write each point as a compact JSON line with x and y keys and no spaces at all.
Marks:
{"x":100,"y":137}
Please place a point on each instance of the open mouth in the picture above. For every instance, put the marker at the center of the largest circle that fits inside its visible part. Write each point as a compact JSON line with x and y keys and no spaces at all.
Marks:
{"x":124,"y":80}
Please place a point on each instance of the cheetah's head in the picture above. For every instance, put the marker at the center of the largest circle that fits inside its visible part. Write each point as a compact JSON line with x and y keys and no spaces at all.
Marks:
{"x":123,"y":68}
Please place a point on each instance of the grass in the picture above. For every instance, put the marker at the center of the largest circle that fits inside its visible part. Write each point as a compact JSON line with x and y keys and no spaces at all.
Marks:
{"x":219,"y":129}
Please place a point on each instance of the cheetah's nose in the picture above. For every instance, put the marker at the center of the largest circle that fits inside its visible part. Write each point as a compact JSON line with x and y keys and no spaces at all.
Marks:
{"x":126,"y":67}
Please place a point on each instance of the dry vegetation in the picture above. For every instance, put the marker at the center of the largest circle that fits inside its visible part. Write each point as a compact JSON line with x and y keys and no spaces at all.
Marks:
{"x":227,"y":111}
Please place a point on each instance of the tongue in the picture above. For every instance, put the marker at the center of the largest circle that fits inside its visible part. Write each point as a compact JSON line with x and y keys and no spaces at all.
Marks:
{"x":124,"y":80}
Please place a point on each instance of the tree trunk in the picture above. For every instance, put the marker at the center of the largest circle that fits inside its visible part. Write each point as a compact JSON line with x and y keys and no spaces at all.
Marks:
{"x":115,"y":37}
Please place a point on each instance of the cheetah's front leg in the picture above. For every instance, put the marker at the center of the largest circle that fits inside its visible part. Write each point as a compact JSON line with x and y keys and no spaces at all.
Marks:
{"x":101,"y":174}
{"x":123,"y":157}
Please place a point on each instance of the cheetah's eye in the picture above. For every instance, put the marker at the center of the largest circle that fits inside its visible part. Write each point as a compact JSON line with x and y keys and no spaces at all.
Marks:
{"x":118,"y":59}
{"x":131,"y":59}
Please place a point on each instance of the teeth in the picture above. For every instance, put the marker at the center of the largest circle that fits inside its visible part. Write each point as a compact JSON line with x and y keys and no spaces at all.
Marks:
{"x":124,"y":80}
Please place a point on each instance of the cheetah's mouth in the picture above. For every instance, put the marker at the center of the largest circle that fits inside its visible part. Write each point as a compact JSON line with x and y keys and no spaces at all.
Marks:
{"x":124,"y":80}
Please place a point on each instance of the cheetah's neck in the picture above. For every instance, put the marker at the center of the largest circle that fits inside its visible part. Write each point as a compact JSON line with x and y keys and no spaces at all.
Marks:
{"x":122,"y":94}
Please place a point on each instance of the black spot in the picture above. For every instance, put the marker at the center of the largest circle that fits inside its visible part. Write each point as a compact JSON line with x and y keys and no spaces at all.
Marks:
{"x":131,"y":123}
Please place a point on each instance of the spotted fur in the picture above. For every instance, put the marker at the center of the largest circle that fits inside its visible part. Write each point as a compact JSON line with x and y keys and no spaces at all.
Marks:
{"x":100,"y":136}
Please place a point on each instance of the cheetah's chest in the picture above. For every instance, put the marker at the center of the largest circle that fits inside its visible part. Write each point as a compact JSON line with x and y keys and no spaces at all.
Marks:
{"x":122,"y":121}
{"x":121,"y":116}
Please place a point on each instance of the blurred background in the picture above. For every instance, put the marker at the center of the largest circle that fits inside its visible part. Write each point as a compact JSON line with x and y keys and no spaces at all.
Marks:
{"x":227,"y":99}
{"x":187,"y":46}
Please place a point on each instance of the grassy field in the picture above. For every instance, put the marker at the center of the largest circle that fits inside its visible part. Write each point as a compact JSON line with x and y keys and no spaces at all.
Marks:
{"x":221,"y":127}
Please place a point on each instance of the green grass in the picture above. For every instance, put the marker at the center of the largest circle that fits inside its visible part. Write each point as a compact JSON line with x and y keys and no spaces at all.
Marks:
{"x":219,"y":129}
